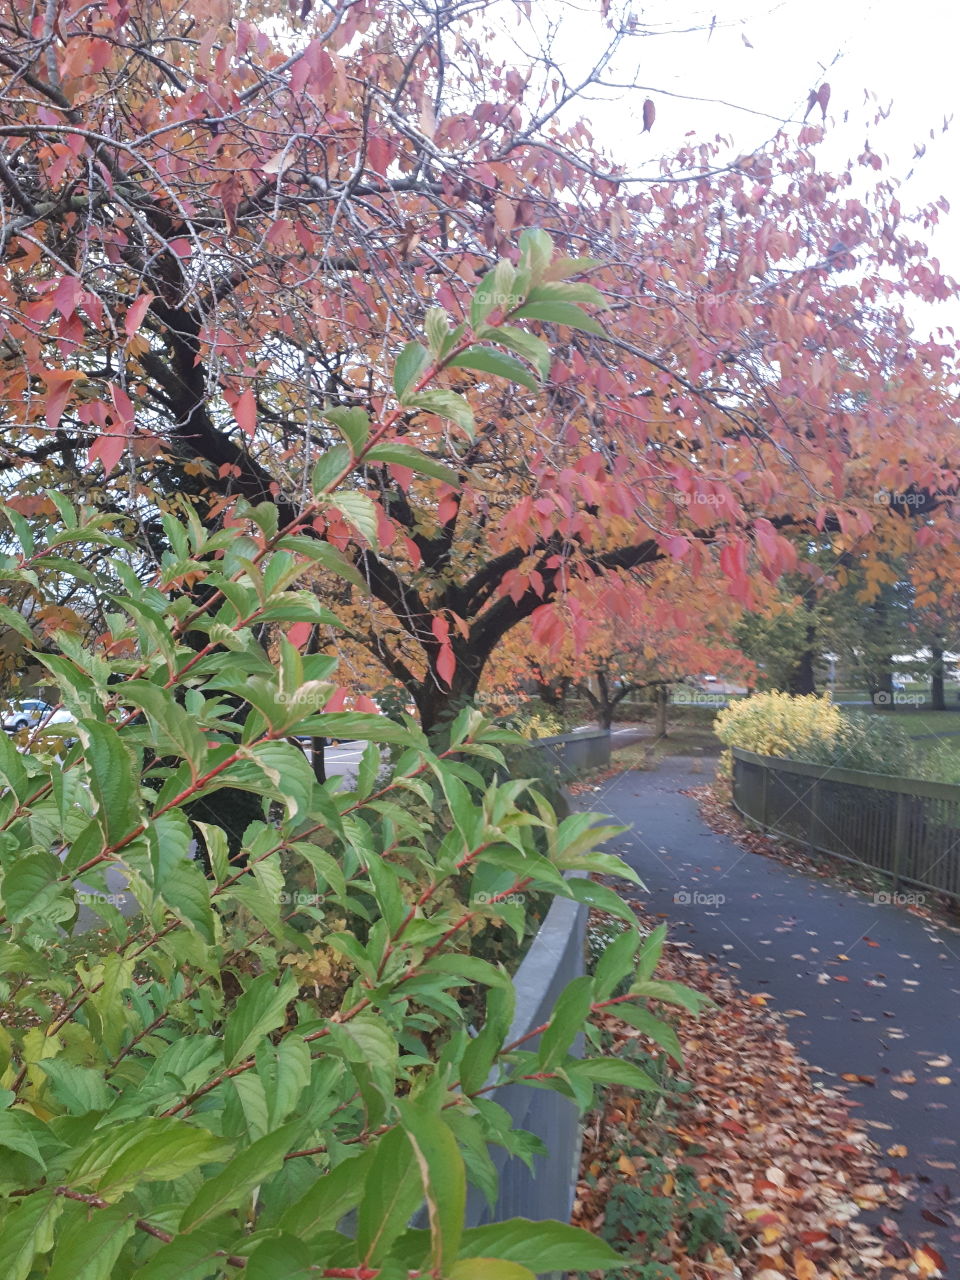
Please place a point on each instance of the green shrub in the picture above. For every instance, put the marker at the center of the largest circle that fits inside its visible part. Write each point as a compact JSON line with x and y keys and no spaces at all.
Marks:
{"x":213,"y":1087}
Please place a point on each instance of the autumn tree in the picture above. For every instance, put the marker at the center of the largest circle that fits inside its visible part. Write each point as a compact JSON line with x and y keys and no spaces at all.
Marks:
{"x":644,"y":634}
{"x":221,"y":235}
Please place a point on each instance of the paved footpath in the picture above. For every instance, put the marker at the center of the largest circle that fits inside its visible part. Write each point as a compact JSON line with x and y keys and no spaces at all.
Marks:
{"x":879,"y":985}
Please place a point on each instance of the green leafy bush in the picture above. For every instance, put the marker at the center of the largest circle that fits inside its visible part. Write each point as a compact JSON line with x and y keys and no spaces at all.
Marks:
{"x":211,"y":1086}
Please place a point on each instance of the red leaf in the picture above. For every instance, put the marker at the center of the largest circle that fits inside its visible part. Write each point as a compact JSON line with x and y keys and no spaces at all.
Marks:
{"x":135,"y":313}
{"x":107,"y":449}
{"x":59,"y":382}
{"x":336,"y":700}
{"x":649,"y":115}
{"x":67,"y":296}
{"x":446,"y":664}
{"x":124,"y":407}
{"x":823,"y":97}
{"x":299,"y":634}
{"x":245,"y":412}
{"x":367,"y":705}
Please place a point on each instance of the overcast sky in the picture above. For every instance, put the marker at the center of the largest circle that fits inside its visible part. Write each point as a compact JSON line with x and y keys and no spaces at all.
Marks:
{"x":906,"y":54}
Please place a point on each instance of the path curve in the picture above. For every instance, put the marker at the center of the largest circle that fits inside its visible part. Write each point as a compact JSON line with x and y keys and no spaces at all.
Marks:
{"x":879,"y":986}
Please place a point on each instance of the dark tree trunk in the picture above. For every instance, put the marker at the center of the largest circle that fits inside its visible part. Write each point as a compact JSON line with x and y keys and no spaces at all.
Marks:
{"x":937,"y":700}
{"x":553,"y":692}
{"x":802,"y":679}
{"x":661,"y":702}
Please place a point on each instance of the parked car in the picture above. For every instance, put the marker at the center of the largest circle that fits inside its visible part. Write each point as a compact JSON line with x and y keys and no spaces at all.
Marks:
{"x":32,"y":713}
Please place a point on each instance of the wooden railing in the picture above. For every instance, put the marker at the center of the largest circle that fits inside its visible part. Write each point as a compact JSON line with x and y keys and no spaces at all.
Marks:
{"x":903,"y":827}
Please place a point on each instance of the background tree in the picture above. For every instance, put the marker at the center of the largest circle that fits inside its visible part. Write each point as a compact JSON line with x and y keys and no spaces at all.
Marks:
{"x":215,"y":237}
{"x":643,"y":636}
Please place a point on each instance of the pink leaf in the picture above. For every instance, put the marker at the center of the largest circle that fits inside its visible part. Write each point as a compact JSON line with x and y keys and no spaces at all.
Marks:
{"x":135,"y":313}
{"x":245,"y":412}
{"x":59,"y":383}
{"x":299,"y":634}
{"x":446,"y":664}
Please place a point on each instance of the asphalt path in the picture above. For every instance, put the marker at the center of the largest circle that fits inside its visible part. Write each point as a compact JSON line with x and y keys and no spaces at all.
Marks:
{"x":869,"y":988}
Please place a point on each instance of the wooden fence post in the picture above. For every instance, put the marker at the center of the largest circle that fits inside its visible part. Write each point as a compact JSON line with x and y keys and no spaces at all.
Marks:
{"x":813,"y":810}
{"x":899,"y":838}
{"x":763,"y":798}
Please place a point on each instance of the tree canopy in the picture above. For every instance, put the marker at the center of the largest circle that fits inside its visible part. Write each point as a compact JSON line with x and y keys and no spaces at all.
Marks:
{"x":220,"y":236}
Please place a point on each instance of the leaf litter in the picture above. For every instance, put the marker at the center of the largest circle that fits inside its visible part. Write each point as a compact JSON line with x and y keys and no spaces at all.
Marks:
{"x":786,"y":1152}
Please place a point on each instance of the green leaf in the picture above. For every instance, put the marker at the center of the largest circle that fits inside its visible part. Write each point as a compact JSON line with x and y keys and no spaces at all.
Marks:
{"x":91,"y":1244}
{"x":18,"y":1132}
{"x":525,"y":344}
{"x":672,"y":993}
{"x":332,"y":1195}
{"x":654,"y":1028}
{"x":283,"y":1258}
{"x":411,"y":362}
{"x":391,"y":1195}
{"x":359,"y":509}
{"x":615,"y":963}
{"x":536,"y":251}
{"x":496,"y":291}
{"x":443,"y":1177}
{"x":563,"y":291}
{"x":148,"y":1149}
{"x":31,"y":890}
{"x":27,"y":1232}
{"x":567,"y":1021}
{"x":480,"y":1053}
{"x":489,"y":360}
{"x":600,"y":896}
{"x":79,"y":1089}
{"x":176,"y":877}
{"x":616,"y":1071}
{"x":565,"y":313}
{"x":174,"y":727}
{"x":489,"y":1269}
{"x":13,"y":773}
{"x":232,"y":1185}
{"x":261,"y":1009}
{"x":165,"y":1149}
{"x":331,"y":467}
{"x":446,"y":404}
{"x":405,"y":455}
{"x":650,"y":952}
{"x":112,"y":779}
{"x":329,"y":558}
{"x":193,"y":1257}
{"x":284,"y":1070}
{"x":540,"y":1246}
{"x":437,"y":325}
{"x":353,"y":423}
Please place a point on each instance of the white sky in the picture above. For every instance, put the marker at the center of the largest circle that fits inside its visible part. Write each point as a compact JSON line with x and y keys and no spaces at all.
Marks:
{"x":904,"y":53}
